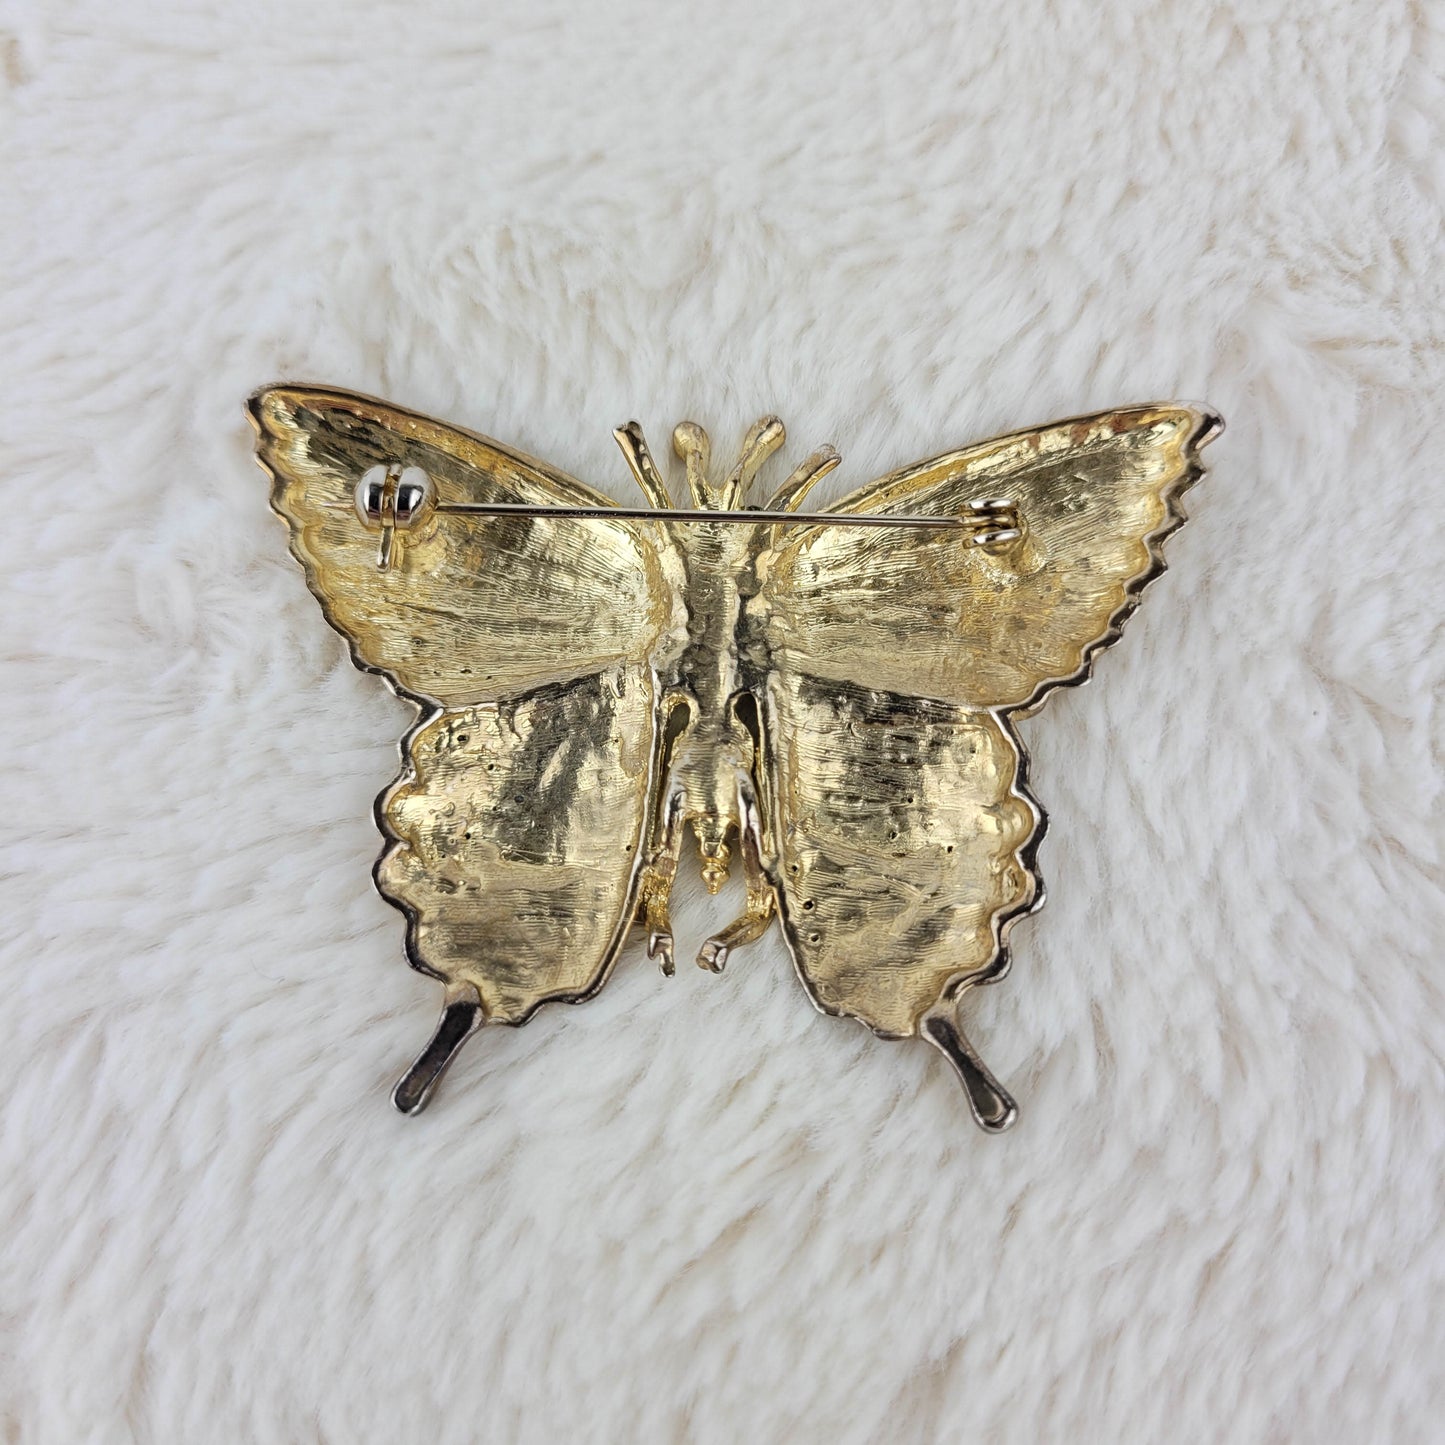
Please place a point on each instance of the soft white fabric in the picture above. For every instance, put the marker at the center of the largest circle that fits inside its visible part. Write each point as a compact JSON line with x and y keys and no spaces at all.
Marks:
{"x":695,"y":1210}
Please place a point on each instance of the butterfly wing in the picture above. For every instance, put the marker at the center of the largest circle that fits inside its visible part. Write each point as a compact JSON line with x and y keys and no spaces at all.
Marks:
{"x":928,"y":613}
{"x":904,"y":844}
{"x":475,"y":608}
{"x":905,"y":831}
{"x":515,"y":828}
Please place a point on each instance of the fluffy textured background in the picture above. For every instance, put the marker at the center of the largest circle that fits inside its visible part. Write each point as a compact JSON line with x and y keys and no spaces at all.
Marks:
{"x":695,"y":1210}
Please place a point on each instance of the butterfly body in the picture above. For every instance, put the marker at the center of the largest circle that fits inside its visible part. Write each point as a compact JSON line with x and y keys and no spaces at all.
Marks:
{"x":701,"y":688}
{"x":826,"y":705}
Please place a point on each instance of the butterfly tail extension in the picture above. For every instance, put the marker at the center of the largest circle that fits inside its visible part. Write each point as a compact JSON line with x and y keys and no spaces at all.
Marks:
{"x":462,"y":1015}
{"x":991,"y":1105}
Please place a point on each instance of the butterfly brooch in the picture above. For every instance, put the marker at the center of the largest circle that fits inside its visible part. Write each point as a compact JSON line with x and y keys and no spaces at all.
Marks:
{"x":826,"y":699}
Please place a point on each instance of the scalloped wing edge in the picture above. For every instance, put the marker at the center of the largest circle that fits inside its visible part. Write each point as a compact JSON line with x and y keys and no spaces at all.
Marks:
{"x":406,"y":773}
{"x":1208,"y":425}
{"x":267,"y":441}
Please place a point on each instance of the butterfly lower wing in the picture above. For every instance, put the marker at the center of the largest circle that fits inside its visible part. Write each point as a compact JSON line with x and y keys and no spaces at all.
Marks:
{"x":906,"y":834}
{"x":515,"y":835}
{"x":515,"y":830}
{"x":904,"y":848}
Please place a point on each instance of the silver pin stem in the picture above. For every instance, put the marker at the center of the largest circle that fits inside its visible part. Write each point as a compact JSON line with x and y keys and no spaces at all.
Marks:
{"x":992,"y":523}
{"x":682,"y":514}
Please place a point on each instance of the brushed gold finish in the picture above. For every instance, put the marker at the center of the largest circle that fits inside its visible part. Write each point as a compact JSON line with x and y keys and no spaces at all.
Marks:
{"x":826,"y":700}
{"x":515,"y":828}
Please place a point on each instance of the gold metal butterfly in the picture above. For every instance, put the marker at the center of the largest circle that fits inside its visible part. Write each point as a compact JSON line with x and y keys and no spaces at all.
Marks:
{"x":829,"y":696}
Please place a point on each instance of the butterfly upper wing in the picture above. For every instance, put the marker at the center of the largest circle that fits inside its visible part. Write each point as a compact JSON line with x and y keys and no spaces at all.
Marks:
{"x":928,"y":613}
{"x":474,"y":608}
{"x":905,"y":833}
{"x":515,"y":828}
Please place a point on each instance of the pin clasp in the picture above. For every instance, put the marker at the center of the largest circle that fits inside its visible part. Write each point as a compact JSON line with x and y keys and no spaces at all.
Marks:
{"x":995,"y":523}
{"x":395,"y":499}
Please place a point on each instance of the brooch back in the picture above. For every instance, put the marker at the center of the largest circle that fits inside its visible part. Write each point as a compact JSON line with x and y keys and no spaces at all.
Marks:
{"x":826,"y":700}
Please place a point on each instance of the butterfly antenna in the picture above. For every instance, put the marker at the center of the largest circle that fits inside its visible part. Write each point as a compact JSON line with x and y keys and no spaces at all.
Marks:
{"x":989,"y":1102}
{"x":789,"y":496}
{"x":764,"y":437}
{"x":638,"y":456}
{"x":460,"y":1019}
{"x":694,"y":449}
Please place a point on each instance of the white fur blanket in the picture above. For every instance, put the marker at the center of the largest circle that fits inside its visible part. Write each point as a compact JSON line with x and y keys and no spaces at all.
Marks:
{"x":694,"y":1210}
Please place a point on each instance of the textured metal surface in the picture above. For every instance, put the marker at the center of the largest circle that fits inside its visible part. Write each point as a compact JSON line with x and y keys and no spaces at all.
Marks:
{"x":903,"y":848}
{"x":828,"y":706}
{"x":930,"y":615}
{"x":465,"y":613}
{"x":516,"y":827}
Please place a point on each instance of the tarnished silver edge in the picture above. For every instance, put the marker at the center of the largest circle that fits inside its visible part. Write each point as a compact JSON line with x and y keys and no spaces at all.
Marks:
{"x":1208,"y":426}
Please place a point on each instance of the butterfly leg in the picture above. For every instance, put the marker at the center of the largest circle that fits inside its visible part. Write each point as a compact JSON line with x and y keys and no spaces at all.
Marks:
{"x":655,"y":889}
{"x":761,"y":904}
{"x":989,"y":1102}
{"x":462,"y":1016}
